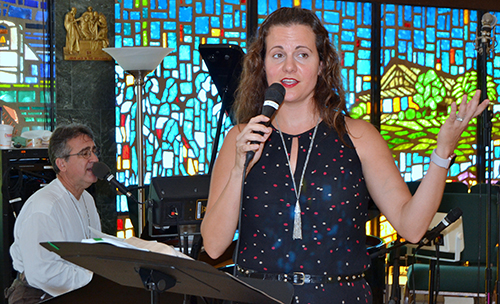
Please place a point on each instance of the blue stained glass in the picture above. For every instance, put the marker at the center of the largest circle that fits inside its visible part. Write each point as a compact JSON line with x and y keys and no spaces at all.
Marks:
{"x":34,"y":70}
{"x":127,"y":29}
{"x":332,"y":17}
{"x":159,"y":15}
{"x":430,"y":35}
{"x":137,"y":26}
{"x":367,"y":14}
{"x":138,"y":39}
{"x":457,"y":43}
{"x":145,"y":13}
{"x":347,"y":47}
{"x":366,"y":44}
{"x":41,"y":16}
{"x":283,"y":3}
{"x":445,"y":61}
{"x":172,"y":41}
{"x":404,"y":103}
{"x":401,"y":46}
{"x":199,"y":8}
{"x":185,"y":52}
{"x":349,"y":59}
{"x":409,"y":51}
{"x":185,"y":14}
{"x":350,"y":8}
{"x":118,"y":41}
{"x":128,"y":42}
{"x":417,"y":21}
{"x":459,"y":57}
{"x":117,"y":11}
{"x":404,"y":34}
{"x":128,"y":4}
{"x":209,"y":6}
{"x":118,"y":28}
{"x":125,"y":15}
{"x":228,"y":9}
{"x":429,"y":60}
{"x":347,"y":36}
{"x":318,"y":5}
{"x":232,"y":34}
{"x":135,"y":16}
{"x":431,"y":16}
{"x":155,"y":30}
{"x":389,"y":37}
{"x":421,"y":58}
{"x":169,"y":25}
{"x":430,"y":47}
{"x":201,"y":25}
{"x":19,"y":12}
{"x":162,"y":4}
{"x":441,"y":34}
{"x":348,"y":24}
{"x":173,"y":9}
{"x":363,"y":67}
{"x":228,"y":21}
{"x":237,"y":18}
{"x":419,"y":39}
{"x":457,"y":33}
{"x":307,"y":4}
{"x":441,"y":23}
{"x":329,"y":4}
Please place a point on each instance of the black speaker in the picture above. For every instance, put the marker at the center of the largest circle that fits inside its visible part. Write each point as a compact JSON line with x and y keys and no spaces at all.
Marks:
{"x":178,"y":200}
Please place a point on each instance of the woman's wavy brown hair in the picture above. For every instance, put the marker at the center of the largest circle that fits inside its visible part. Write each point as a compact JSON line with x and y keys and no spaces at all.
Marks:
{"x":329,"y":94}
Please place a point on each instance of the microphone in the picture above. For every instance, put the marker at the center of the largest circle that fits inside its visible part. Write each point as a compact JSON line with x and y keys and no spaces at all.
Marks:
{"x":273,"y":97}
{"x":488,"y":22}
{"x":101,"y":171}
{"x":449,"y":219}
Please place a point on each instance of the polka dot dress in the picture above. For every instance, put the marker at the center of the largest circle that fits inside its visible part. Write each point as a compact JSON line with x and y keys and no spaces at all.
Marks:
{"x":334,"y":202}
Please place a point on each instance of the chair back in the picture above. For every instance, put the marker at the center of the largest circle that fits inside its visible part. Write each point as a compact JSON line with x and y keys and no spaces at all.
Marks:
{"x":475,"y":220}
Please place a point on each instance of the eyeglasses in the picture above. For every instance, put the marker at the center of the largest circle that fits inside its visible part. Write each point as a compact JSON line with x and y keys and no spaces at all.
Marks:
{"x":86,"y":153}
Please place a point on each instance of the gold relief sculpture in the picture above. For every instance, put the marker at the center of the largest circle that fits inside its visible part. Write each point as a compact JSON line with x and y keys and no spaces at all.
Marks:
{"x":86,"y":36}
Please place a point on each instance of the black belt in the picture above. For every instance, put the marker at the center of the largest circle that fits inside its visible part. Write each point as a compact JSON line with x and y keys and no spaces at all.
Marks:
{"x":299,"y":278}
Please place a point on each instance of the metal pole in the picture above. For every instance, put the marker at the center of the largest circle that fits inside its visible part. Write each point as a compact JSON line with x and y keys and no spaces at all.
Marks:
{"x":139,"y":84}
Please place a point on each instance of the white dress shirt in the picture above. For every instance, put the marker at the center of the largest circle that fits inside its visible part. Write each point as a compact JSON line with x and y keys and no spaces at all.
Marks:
{"x":52,"y":214}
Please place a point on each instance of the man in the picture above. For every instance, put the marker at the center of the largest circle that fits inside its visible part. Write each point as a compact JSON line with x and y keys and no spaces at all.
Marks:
{"x":61,"y":211}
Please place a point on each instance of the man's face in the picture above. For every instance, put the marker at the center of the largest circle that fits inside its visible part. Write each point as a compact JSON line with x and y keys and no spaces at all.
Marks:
{"x":77,"y":169}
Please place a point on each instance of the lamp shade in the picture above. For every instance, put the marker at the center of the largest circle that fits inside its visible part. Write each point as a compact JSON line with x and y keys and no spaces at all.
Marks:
{"x":138,"y":58}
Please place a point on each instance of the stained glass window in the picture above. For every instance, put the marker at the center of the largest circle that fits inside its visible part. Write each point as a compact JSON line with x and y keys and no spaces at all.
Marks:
{"x":25,"y":69}
{"x":182,"y":102}
{"x":428,"y":60}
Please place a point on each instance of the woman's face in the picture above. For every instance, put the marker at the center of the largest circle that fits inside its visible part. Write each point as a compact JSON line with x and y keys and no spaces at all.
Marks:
{"x":293,"y":60}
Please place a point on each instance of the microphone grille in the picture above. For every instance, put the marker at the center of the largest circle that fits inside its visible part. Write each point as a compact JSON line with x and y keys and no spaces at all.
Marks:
{"x":100,"y":170}
{"x":276,"y":92}
{"x":455,"y":214}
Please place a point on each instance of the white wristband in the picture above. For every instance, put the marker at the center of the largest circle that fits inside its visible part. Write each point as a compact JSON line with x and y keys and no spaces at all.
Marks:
{"x":442,"y":162}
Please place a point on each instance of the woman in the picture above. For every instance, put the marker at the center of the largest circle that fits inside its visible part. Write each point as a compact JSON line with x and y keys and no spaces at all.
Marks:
{"x":336,"y":163}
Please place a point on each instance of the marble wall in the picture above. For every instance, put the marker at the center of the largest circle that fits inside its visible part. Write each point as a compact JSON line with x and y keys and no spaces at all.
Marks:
{"x":85,"y":94}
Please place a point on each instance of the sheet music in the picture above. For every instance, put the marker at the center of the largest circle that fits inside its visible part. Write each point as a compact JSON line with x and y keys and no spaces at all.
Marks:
{"x":134,"y":243}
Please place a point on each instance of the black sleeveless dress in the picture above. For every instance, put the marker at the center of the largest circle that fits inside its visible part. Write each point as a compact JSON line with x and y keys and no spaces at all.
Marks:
{"x":334,"y":204}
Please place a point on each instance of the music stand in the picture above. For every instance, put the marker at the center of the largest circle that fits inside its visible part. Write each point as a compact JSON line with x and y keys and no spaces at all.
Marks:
{"x":160,"y":272}
{"x":224,"y":66}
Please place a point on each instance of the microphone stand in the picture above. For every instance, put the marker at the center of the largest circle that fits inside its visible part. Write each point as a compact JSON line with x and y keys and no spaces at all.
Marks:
{"x":483,"y":40}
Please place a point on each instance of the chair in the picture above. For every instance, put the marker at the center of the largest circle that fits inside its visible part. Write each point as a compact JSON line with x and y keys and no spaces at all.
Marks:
{"x":465,"y":277}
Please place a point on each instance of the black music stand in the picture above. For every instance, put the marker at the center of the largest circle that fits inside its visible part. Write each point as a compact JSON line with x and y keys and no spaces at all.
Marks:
{"x":158,"y":273}
{"x":224,"y":65}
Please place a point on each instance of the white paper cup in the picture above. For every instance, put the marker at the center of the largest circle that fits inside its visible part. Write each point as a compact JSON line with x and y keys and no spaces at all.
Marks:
{"x":6,"y":136}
